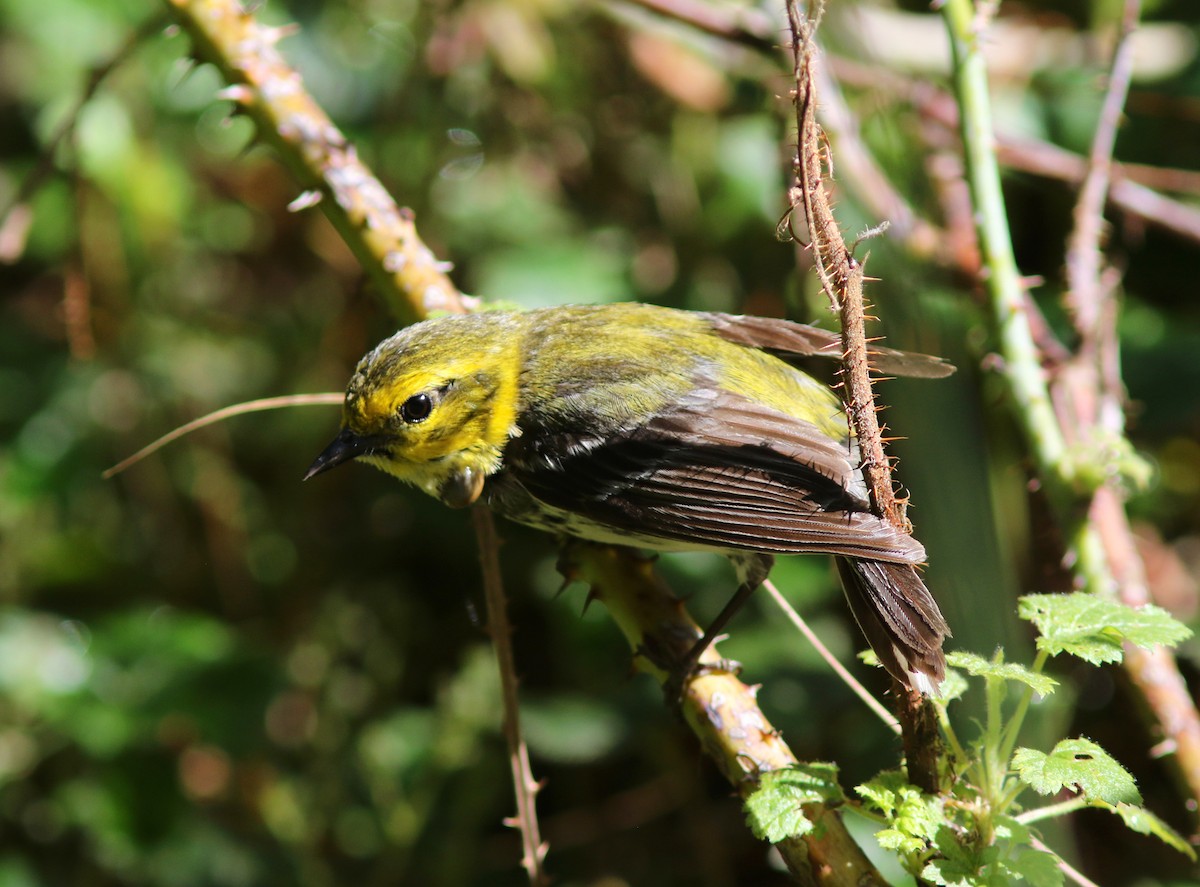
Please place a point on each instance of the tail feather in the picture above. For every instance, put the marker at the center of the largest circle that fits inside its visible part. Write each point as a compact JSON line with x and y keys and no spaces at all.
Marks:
{"x":900,"y":619}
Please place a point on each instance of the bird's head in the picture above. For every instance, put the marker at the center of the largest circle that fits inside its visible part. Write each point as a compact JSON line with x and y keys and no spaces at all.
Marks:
{"x":433,"y":406}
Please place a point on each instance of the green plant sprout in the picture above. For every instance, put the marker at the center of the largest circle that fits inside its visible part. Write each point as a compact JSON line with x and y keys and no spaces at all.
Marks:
{"x":979,"y":831}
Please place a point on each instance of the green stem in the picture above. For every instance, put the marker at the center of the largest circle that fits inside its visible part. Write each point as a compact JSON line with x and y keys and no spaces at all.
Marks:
{"x":1062,"y":808}
{"x":956,"y":747}
{"x":1013,"y":730}
{"x":995,"y":766}
{"x":1014,"y":788}
{"x":1023,"y":369}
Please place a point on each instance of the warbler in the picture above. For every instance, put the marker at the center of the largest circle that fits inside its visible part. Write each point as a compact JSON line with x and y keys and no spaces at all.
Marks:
{"x":652,"y":427}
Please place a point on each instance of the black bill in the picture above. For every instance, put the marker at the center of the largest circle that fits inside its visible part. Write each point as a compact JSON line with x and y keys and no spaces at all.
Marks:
{"x":346,"y":446}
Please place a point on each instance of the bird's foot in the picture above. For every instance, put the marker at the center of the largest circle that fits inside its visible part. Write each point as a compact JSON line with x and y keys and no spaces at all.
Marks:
{"x":690,"y":668}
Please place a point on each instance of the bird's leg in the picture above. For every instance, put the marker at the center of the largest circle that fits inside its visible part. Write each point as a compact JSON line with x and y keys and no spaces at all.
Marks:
{"x":752,"y":569}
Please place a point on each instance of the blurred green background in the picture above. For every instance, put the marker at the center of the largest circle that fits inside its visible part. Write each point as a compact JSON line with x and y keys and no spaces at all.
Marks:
{"x":211,"y":674}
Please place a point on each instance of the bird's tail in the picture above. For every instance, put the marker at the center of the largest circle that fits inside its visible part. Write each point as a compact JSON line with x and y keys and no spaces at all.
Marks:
{"x":900,"y":618}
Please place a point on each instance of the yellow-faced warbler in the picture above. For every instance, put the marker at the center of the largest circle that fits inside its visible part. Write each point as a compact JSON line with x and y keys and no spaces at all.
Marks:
{"x":645,"y":426}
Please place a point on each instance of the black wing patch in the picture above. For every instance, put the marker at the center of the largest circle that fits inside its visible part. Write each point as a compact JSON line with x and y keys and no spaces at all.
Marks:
{"x":719,"y":470}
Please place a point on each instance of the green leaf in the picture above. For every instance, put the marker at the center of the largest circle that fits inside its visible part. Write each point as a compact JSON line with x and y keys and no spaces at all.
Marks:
{"x":1142,"y":821}
{"x":975,"y":665}
{"x":1094,"y":629}
{"x":1012,"y":830}
{"x":959,"y":866}
{"x":898,"y":842}
{"x":1036,"y":867}
{"x":913,"y":818}
{"x":962,"y":865}
{"x":774,"y":810}
{"x":1078,"y":764}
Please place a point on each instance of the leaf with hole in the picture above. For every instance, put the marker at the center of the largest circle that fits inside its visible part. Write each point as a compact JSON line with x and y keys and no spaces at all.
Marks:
{"x":1080,"y":765}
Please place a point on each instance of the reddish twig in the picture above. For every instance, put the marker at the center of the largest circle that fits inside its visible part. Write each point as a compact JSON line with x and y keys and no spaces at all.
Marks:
{"x":533,"y":849}
{"x":745,"y":26}
{"x":1088,"y":398}
{"x":842,"y":279}
{"x":1085,"y":294}
{"x":239,"y":409}
{"x":1130,"y":190}
{"x":1132,"y":185}
{"x":826,"y":654}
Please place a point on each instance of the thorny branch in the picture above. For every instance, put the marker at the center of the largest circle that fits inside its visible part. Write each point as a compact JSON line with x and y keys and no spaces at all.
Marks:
{"x":1133,"y":186}
{"x":385,"y":239}
{"x":1089,"y":399}
{"x":1073,"y":418}
{"x":1085,"y":291}
{"x":381,"y":234}
{"x":720,"y":709}
{"x":526,"y":788}
{"x":842,"y":277}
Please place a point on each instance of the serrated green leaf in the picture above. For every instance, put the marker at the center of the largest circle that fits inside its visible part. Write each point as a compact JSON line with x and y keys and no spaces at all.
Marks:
{"x":1079,"y":764}
{"x":914,"y":816}
{"x":898,"y":842}
{"x":1142,"y":821}
{"x":1036,"y":867}
{"x":975,"y":665}
{"x":1030,"y":766}
{"x":948,"y":874}
{"x":1094,"y":629}
{"x":882,"y":792}
{"x":774,"y":811}
{"x":1012,"y":830}
{"x":959,"y":866}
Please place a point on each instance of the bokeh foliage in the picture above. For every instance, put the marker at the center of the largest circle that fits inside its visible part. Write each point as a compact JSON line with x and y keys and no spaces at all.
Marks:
{"x":211,"y":674}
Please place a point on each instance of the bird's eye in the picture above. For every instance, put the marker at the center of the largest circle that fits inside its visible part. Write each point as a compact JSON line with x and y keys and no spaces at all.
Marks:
{"x":416,"y":409}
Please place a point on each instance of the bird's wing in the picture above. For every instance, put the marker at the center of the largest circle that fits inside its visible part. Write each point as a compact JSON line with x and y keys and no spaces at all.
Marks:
{"x":788,"y":340}
{"x":718,"y":470}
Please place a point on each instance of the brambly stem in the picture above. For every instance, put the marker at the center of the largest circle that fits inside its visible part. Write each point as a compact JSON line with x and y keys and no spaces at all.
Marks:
{"x":1062,"y":808}
{"x":720,"y":710}
{"x":842,"y":277}
{"x":1008,"y":296}
{"x":382,"y":235}
{"x":1081,"y":479}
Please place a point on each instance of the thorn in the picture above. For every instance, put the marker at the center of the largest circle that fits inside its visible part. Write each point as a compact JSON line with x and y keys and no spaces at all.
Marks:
{"x":592,"y":595}
{"x":305,"y":200}
{"x":274,"y":35}
{"x":236,"y":92}
{"x":1166,"y":747}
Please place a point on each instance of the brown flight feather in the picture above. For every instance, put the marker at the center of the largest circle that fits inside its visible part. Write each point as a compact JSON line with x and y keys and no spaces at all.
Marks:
{"x":787,"y":340}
